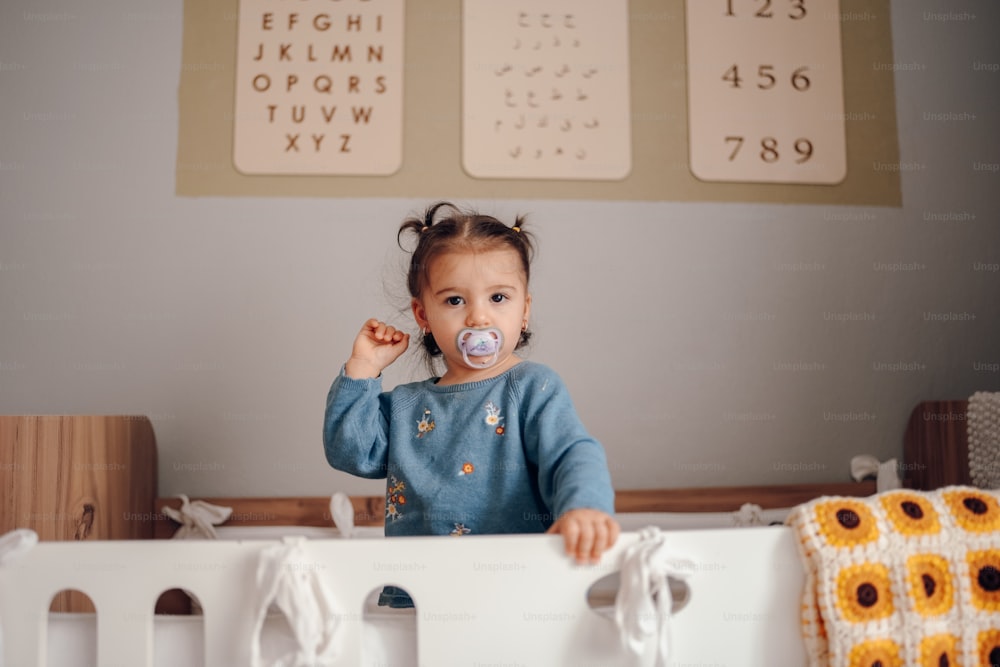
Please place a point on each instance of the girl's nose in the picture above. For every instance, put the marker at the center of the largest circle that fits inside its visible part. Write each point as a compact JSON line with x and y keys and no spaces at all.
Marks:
{"x":477,"y":318}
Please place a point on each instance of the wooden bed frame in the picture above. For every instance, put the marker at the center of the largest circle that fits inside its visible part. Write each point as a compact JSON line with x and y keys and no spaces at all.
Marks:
{"x":370,"y":510}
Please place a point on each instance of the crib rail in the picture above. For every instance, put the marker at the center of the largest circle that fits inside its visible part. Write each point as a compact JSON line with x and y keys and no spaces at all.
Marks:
{"x":480,"y":600}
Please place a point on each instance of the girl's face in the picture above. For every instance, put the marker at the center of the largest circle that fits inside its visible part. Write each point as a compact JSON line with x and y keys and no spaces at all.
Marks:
{"x":474,"y":290}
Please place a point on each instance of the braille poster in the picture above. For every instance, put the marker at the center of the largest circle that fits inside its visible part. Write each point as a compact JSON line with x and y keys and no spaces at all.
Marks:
{"x":545,"y":89}
{"x":319,"y":87}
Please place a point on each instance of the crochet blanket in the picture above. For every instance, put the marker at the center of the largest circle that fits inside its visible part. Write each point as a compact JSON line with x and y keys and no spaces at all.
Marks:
{"x":901,"y":578}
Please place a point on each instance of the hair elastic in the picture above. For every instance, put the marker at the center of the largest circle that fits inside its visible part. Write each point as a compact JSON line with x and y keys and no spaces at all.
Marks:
{"x":516,"y":229}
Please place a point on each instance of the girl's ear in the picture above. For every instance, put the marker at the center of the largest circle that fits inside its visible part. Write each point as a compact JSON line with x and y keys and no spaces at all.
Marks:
{"x":419,"y":314}
{"x":527,"y":307}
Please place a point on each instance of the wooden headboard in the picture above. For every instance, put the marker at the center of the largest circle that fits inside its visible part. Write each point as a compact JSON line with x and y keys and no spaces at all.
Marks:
{"x":936,"y":446}
{"x":370,"y":510}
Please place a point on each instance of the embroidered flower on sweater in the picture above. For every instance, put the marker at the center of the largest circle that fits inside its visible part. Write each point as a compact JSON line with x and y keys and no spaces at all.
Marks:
{"x":425,"y":425}
{"x":394,"y":498}
{"x":467,"y":469}
{"x":460,"y":530}
{"x":493,"y":417}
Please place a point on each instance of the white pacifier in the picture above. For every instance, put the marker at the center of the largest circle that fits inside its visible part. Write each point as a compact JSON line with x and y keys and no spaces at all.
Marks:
{"x":482,"y":343}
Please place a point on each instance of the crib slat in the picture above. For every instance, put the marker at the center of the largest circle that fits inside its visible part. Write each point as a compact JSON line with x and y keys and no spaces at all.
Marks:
{"x":23,"y":639}
{"x":125,"y":633}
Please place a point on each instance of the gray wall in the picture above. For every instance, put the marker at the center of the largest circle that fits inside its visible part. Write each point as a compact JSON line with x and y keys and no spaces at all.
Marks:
{"x":705,"y":344}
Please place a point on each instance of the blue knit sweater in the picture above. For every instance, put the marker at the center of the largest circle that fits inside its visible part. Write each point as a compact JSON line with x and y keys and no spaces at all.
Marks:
{"x":503,"y":455}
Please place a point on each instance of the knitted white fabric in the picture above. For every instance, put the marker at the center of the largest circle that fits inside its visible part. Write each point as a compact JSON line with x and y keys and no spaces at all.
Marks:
{"x":197,"y":519}
{"x":342,"y":512}
{"x":901,"y":578}
{"x":287,"y":577}
{"x":643,"y":603}
{"x":15,"y":544}
{"x":748,"y":515}
{"x":983,"y":428}
{"x":885,"y":472}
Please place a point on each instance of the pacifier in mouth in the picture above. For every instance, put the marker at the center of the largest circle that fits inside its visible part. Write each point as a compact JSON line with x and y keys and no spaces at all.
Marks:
{"x":481,"y":343}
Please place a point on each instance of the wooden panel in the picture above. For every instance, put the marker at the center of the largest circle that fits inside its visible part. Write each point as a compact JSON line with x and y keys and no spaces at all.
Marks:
{"x":77,"y":478}
{"x":369,"y":510}
{"x":296,"y":511}
{"x":936,"y":445}
{"x":731,"y":498}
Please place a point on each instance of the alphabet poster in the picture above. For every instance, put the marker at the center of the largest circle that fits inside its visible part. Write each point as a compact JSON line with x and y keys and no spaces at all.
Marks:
{"x":545,"y":89}
{"x":319,"y":87}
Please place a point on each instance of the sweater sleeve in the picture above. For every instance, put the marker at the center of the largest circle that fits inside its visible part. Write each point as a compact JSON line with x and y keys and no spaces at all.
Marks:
{"x":572,"y":466}
{"x":355,"y":427}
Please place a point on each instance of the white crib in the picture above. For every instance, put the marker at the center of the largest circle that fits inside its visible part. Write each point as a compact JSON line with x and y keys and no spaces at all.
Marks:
{"x":490,"y":600}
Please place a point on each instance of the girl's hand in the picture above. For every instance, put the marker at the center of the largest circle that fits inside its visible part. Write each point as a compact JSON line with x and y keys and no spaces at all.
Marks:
{"x":376,"y":346}
{"x":587,"y":532}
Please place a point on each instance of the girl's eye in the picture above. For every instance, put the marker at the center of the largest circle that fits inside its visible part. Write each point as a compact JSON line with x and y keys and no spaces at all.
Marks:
{"x":497,"y":298}
{"x":454,"y":301}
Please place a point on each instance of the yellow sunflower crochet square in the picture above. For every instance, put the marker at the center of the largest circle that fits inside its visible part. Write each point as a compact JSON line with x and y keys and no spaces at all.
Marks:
{"x":901,"y":578}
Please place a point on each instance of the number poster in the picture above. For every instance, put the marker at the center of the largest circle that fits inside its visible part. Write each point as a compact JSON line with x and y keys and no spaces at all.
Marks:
{"x":545,"y":89}
{"x":765,"y":91}
{"x":319,"y":87}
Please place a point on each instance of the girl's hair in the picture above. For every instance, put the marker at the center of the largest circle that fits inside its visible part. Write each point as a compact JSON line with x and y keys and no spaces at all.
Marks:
{"x":445,"y":228}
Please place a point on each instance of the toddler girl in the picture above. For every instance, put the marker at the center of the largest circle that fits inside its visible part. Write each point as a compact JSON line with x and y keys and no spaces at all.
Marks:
{"x":494,"y":444}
